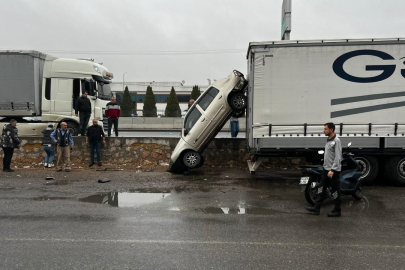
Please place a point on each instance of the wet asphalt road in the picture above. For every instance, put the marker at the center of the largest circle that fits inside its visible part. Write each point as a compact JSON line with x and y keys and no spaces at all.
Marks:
{"x":219,"y":219}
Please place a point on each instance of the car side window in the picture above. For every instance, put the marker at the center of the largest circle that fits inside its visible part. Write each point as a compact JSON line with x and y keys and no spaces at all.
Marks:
{"x":208,"y":97}
{"x":191,"y":118}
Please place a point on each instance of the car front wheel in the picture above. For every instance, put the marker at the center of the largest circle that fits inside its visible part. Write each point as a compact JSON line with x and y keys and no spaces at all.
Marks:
{"x":192,"y":159}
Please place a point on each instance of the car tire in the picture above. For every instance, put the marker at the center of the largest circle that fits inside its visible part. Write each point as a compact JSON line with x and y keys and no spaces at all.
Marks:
{"x":192,"y":159}
{"x":395,"y":170}
{"x":238,"y":102}
{"x":369,"y":166}
{"x":74,"y":128}
{"x":238,"y":114}
{"x":201,"y":163}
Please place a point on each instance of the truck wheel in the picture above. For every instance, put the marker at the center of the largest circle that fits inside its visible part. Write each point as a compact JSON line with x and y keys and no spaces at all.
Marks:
{"x":395,"y":170}
{"x":192,"y":159}
{"x":238,"y":102}
{"x":73,"y":127}
{"x":369,"y":167}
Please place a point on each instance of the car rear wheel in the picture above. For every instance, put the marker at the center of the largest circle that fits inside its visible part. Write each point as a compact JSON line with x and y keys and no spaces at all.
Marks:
{"x":192,"y":159}
{"x":238,"y":102}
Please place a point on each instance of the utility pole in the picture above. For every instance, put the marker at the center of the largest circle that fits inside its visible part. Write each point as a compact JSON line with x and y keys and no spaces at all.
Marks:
{"x":123,"y":82}
{"x":286,"y":20}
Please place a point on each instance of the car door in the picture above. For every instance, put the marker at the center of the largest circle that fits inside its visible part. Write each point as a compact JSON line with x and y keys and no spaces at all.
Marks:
{"x":195,"y":124}
{"x":212,"y":105}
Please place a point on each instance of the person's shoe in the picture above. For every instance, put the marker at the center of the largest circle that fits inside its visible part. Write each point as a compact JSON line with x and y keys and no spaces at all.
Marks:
{"x":67,"y":170}
{"x":9,"y":170}
{"x":45,"y":165}
{"x":314,"y":210}
{"x":91,"y":164}
{"x":99,"y":164}
{"x":335,"y":213}
{"x":59,"y":170}
{"x":50,"y":165}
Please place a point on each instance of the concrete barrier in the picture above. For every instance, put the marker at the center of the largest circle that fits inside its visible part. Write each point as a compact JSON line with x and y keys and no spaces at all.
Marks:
{"x":150,"y":152}
{"x":164,"y":123}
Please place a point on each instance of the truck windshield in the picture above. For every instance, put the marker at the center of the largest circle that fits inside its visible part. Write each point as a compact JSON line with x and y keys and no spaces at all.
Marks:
{"x":104,"y":91}
{"x":192,"y":117}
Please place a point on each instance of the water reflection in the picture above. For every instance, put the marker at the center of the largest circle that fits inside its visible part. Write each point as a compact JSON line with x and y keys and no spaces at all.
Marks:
{"x":240,"y":210}
{"x":125,"y":199}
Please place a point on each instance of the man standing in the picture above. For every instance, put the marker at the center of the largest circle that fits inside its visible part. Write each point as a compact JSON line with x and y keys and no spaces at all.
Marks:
{"x":9,"y":141}
{"x":330,"y":175}
{"x":113,"y":112}
{"x":63,"y":138}
{"x":94,"y":134}
{"x":234,"y":126}
{"x":83,"y":110}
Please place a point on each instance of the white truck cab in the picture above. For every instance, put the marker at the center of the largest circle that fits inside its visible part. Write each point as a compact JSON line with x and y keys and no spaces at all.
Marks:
{"x":45,"y":88}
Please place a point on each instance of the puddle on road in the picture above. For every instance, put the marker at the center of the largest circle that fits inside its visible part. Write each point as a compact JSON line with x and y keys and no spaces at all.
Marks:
{"x":125,"y":199}
{"x":228,"y":211}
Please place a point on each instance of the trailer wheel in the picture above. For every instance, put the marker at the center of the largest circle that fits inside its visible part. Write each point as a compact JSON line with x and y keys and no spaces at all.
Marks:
{"x":192,"y":159}
{"x":369,"y":167}
{"x":73,"y":127}
{"x":238,"y":102}
{"x":395,"y":170}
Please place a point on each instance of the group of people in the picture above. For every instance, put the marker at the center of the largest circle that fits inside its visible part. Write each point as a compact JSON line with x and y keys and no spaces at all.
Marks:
{"x":62,"y":137}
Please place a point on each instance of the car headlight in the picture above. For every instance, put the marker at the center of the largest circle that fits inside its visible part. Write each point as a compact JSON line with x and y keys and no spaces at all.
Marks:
{"x":96,"y":69}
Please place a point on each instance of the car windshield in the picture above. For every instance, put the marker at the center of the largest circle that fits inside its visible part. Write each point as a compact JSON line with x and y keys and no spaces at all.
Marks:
{"x":208,"y":97}
{"x":190,"y":120}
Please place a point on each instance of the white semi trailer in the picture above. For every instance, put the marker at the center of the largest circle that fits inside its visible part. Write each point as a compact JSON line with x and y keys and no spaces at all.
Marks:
{"x":295,"y":87}
{"x":44,"y":89}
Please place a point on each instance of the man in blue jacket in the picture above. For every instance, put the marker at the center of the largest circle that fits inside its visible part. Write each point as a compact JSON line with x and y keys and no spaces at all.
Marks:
{"x":64,"y":140}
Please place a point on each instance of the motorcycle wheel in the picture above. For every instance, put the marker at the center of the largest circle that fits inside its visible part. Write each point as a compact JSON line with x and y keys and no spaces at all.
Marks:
{"x":358,"y":194}
{"x":311,"y":194}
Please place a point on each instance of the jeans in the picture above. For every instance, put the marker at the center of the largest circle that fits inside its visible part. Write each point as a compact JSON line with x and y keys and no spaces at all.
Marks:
{"x":96,"y":146}
{"x":112,"y":121}
{"x":234,"y":128}
{"x":84,"y":120}
{"x":8,"y":155}
{"x":334,"y":183}
{"x":50,"y":154}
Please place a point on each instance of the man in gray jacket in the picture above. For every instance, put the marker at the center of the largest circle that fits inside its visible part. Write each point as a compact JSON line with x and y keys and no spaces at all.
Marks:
{"x":331,"y":170}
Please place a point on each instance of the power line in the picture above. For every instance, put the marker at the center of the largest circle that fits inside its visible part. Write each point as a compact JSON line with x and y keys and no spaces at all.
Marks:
{"x":196,"y":52}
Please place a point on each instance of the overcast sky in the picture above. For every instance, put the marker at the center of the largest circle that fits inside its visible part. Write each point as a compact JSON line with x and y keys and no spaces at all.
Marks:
{"x":190,"y":40}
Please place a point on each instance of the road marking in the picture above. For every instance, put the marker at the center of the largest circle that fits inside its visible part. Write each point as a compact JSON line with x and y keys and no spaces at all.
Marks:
{"x":146,"y":241}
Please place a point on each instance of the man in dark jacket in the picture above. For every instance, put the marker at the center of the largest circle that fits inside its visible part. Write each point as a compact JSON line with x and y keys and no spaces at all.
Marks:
{"x":47,"y":143}
{"x":9,"y":141}
{"x":113,"y":112}
{"x":94,"y":135}
{"x":83,"y":110}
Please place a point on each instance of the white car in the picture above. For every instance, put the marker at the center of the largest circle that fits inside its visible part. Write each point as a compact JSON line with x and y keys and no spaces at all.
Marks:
{"x":205,"y":119}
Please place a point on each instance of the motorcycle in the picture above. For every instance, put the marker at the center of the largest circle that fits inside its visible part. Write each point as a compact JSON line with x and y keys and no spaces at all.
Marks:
{"x":349,"y":179}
